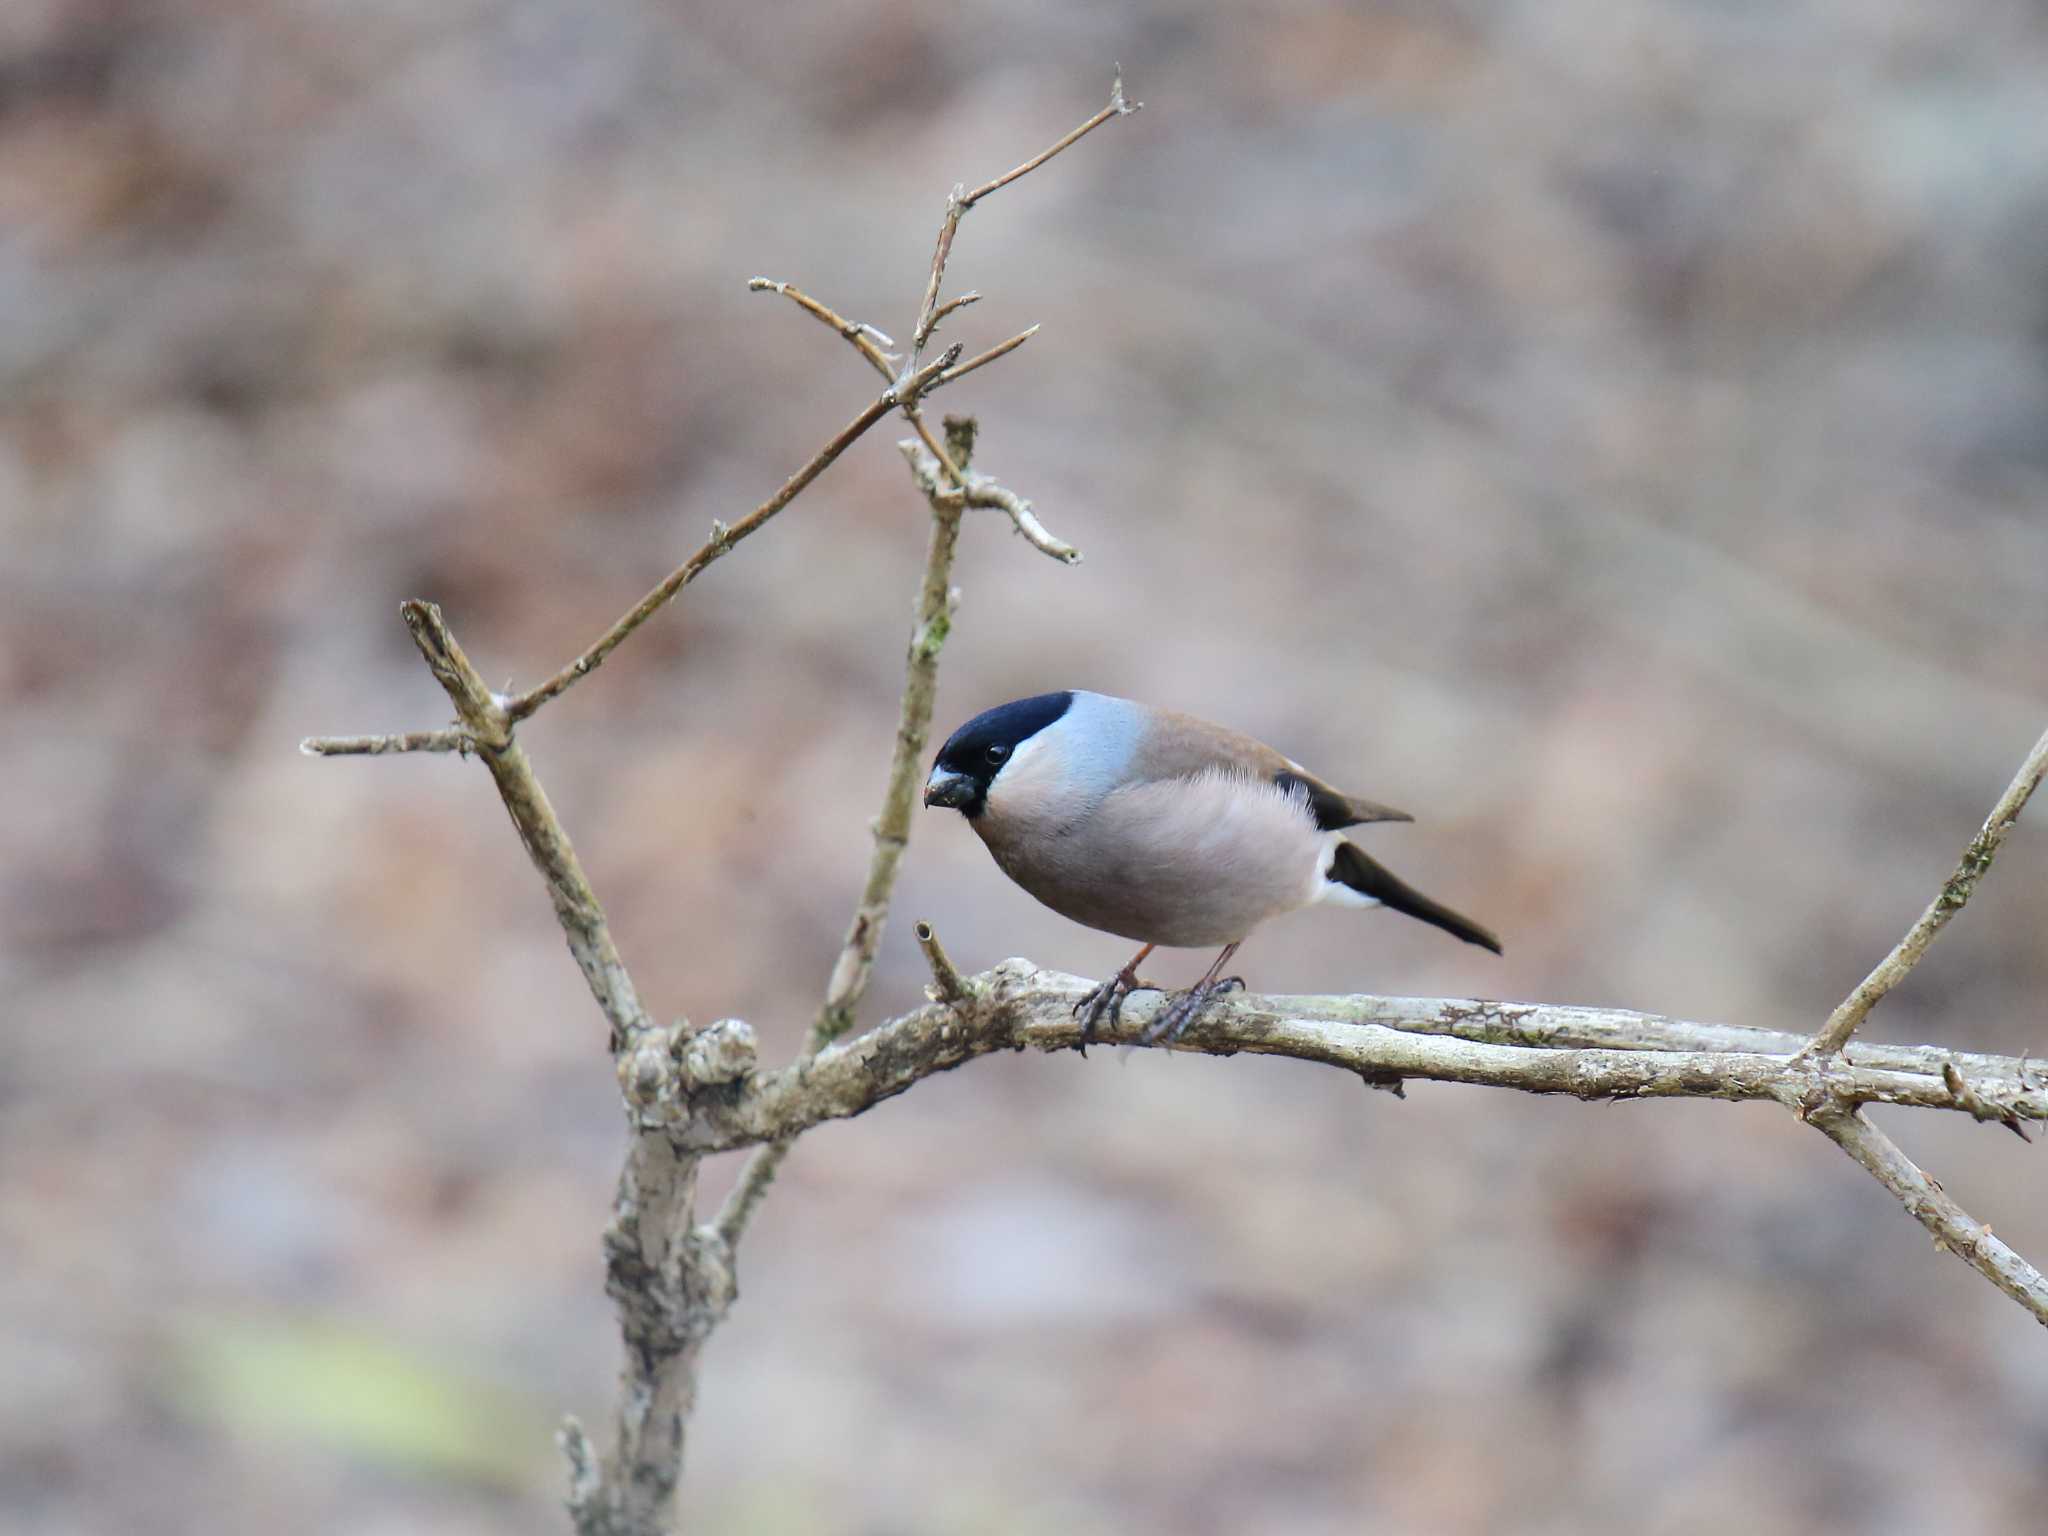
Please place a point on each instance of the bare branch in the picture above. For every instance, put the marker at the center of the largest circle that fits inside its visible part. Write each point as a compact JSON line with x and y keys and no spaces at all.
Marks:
{"x":1019,"y":509}
{"x":672,"y":1284}
{"x":671,"y":1281}
{"x":981,"y":491}
{"x":1976,"y":859}
{"x":960,"y":301}
{"x":1117,"y":107}
{"x":960,"y":201}
{"x":1387,"y":1041}
{"x":724,"y":537}
{"x":863,"y":337}
{"x":489,"y":722}
{"x":856,"y":963}
{"x":1968,"y":1098}
{"x":1018,"y":1005}
{"x":1566,"y":1026}
{"x":899,"y":800}
{"x":946,"y":987}
{"x":1954,"y":1229}
{"x":459,"y":741}
{"x":853,"y":332}
{"x":754,"y":1179}
{"x":983,"y":359}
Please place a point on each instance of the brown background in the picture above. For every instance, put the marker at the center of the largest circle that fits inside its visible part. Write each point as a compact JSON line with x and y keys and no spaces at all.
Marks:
{"x":1618,"y":433}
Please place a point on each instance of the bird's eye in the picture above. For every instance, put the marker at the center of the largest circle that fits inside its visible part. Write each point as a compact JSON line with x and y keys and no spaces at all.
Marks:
{"x":997,"y":753}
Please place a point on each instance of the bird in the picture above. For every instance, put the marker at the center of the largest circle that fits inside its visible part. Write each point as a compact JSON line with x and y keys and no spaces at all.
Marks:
{"x":1162,"y":828}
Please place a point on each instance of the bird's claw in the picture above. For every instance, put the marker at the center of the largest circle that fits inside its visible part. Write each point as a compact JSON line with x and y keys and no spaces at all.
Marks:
{"x":1173,"y":1020}
{"x":1106,"y":999}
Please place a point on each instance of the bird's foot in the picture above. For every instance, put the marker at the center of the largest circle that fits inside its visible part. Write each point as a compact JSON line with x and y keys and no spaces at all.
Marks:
{"x":1107,"y":1001}
{"x":1176,"y":1016}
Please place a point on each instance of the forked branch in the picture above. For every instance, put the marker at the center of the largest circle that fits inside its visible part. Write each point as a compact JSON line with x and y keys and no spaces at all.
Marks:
{"x":1948,"y":901}
{"x":725,"y":536}
{"x":692,"y":1092}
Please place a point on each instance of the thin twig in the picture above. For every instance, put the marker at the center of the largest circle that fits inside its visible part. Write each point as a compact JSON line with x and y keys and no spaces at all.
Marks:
{"x":724,"y":537}
{"x":859,"y":334}
{"x":1117,"y":107}
{"x":1954,"y":1228}
{"x":738,"y":1210}
{"x":947,"y":987}
{"x":958,"y":301}
{"x":853,"y":332}
{"x":981,"y":491}
{"x":456,"y":740}
{"x":983,"y":359}
{"x":1976,"y":859}
{"x":899,"y":800}
{"x":960,"y":201}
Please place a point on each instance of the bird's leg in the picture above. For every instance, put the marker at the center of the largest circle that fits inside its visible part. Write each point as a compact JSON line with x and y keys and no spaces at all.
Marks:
{"x":1109,"y":998}
{"x":1175,"y":1018}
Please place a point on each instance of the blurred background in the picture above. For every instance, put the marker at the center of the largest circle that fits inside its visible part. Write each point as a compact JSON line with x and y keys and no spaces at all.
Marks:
{"x":1618,"y":434}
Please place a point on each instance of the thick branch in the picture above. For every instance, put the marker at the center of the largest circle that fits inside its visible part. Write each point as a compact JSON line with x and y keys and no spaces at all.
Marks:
{"x":1976,"y":859}
{"x":672,"y":1284}
{"x":723,"y":538}
{"x":1436,"y":1039}
{"x":1388,"y":1040}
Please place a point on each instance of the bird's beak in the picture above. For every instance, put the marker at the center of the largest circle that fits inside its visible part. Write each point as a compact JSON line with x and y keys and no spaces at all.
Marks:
{"x":947,"y":788}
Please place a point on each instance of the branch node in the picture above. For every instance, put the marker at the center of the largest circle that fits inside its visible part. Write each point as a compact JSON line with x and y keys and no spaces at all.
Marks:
{"x":1117,"y":103}
{"x":1979,"y":1108}
{"x":647,"y":1071}
{"x":913,"y":386}
{"x":978,"y":490}
{"x":722,"y":1053}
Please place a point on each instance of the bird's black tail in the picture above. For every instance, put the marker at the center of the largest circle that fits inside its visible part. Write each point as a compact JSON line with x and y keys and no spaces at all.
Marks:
{"x":1351,"y":867}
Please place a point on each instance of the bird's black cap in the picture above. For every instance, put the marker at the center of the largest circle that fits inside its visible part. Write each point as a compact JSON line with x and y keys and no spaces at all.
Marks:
{"x":975,"y":754}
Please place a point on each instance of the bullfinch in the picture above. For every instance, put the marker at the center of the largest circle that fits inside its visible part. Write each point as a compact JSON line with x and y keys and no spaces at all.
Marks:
{"x":1163,"y":829}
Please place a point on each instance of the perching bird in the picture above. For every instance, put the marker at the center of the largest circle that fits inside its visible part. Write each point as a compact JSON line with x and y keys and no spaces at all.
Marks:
{"x":1162,"y":828}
